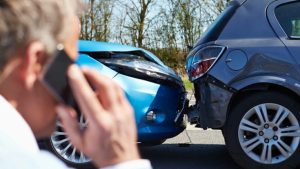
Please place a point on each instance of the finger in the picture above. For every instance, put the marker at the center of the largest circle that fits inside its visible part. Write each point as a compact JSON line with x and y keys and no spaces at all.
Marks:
{"x":84,"y":95}
{"x":107,"y":90}
{"x":120,"y":94}
{"x":68,"y":118}
{"x":118,"y":100}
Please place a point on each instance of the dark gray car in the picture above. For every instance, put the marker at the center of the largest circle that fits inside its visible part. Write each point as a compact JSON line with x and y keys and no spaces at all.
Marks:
{"x":246,"y":73}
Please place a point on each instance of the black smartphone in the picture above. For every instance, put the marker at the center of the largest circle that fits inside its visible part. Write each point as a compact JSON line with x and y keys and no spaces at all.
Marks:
{"x":55,"y":77}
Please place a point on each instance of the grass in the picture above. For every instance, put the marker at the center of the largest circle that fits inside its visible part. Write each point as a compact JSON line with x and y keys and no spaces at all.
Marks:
{"x":188,"y":85}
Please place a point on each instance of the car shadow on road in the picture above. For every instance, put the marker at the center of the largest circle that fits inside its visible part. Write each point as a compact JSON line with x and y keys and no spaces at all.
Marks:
{"x":188,"y":156}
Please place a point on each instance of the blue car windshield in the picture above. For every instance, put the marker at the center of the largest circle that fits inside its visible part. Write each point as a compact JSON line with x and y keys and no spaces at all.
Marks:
{"x":214,"y":30}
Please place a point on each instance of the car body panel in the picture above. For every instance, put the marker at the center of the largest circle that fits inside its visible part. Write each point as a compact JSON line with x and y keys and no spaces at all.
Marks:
{"x":93,"y":46}
{"x":147,"y":96}
{"x":144,"y":96}
{"x":85,"y":60}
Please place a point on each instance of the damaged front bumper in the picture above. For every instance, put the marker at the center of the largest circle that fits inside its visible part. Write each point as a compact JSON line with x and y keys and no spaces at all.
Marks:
{"x":162,"y":105}
{"x":181,"y":117}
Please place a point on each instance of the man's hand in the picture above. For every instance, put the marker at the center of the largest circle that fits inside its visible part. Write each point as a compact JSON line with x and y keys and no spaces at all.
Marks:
{"x":110,"y":137}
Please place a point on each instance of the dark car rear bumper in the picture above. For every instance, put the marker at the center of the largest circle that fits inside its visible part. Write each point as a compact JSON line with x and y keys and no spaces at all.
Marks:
{"x":213,"y":99}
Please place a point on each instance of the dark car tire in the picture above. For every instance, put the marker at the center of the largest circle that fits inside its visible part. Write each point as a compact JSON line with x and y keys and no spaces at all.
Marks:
{"x":236,"y":133}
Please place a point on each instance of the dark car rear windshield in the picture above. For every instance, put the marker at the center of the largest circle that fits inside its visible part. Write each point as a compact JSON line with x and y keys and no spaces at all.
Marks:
{"x":213,"y":32}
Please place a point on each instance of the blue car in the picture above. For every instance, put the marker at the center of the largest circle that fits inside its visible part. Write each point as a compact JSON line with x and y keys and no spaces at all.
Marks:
{"x":155,"y":91}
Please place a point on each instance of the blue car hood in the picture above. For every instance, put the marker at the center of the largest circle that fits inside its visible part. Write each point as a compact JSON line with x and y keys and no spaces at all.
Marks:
{"x":139,"y":69}
{"x":92,"y":46}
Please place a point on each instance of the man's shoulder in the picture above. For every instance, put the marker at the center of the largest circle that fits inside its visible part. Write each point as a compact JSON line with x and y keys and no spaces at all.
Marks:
{"x":14,"y":156}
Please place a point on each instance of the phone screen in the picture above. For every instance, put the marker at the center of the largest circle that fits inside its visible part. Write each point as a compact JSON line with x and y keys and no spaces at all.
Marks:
{"x":55,"y":77}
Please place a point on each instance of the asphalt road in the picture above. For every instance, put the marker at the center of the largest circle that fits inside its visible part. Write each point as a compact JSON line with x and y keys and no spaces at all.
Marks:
{"x":192,"y":149}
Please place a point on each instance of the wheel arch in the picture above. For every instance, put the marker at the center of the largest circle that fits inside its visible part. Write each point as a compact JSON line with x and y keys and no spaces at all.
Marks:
{"x":260,"y":87}
{"x":234,"y":138}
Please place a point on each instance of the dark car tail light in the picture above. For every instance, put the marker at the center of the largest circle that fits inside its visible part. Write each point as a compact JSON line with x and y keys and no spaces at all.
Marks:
{"x":203,"y":60}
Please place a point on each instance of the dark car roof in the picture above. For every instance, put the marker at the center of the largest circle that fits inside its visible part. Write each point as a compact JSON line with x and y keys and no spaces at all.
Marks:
{"x":244,"y":23}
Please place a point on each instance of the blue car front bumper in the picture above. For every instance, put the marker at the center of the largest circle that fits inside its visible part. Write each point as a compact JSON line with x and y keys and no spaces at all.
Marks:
{"x":166,"y":102}
{"x":150,"y":86}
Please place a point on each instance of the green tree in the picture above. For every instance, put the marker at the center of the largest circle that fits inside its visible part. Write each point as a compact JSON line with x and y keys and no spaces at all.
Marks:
{"x":95,"y":23}
{"x":139,"y":21}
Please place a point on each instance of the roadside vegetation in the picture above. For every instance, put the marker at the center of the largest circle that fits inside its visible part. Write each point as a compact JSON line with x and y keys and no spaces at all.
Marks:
{"x":188,"y":85}
{"x":165,"y":27}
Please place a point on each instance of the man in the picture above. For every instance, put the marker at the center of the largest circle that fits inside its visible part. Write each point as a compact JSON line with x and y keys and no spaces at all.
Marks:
{"x":30,"y":30}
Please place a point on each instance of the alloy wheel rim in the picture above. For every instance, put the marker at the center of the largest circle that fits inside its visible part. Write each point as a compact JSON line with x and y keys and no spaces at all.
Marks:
{"x":269,"y":133}
{"x":62,"y":145}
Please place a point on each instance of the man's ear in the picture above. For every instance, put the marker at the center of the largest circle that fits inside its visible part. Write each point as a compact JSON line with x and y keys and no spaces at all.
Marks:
{"x":33,"y":60}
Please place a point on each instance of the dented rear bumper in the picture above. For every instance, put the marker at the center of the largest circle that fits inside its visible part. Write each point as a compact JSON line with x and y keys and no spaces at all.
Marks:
{"x":212,"y":102}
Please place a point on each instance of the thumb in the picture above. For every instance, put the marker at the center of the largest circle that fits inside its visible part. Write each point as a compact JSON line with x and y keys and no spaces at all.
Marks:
{"x":68,"y":118}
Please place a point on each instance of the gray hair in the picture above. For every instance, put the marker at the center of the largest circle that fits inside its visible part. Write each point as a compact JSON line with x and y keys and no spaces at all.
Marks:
{"x":25,"y":21}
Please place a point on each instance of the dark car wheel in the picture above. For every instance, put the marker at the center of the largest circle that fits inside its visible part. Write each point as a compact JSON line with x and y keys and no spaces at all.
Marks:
{"x":262,"y":131}
{"x":59,"y":144}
